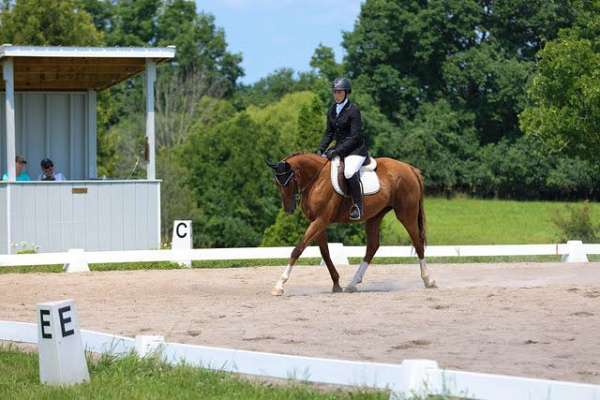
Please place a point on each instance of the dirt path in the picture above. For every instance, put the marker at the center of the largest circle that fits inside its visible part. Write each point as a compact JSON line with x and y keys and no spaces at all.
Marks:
{"x":528,"y":319}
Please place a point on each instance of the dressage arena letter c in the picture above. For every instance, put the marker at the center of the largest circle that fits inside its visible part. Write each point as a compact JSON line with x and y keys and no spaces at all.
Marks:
{"x":179,"y":225}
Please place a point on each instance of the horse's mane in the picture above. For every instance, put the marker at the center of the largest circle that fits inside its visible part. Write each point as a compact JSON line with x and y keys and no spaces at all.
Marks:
{"x":294,"y":155}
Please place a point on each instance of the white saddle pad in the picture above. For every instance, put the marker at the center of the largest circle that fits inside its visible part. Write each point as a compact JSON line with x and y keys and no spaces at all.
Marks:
{"x":368,"y":177}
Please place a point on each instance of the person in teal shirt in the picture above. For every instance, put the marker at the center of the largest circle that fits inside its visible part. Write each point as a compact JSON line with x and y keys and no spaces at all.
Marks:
{"x":20,"y":165}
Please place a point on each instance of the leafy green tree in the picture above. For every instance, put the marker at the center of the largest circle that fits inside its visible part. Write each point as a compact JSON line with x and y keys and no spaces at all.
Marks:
{"x":203,"y":67}
{"x":134,"y":23}
{"x":177,"y":198}
{"x":310,"y":125}
{"x":565,"y":92}
{"x":440,"y":141}
{"x":287,"y":229}
{"x":48,"y":23}
{"x":274,"y":86}
{"x":296,"y":122}
{"x":521,"y":27}
{"x":232,"y":183}
{"x":486,"y":82}
{"x":476,"y":54}
{"x":201,"y":45}
{"x":394,"y":45}
{"x":516,"y":170}
{"x":323,"y":60}
{"x":101,"y":12}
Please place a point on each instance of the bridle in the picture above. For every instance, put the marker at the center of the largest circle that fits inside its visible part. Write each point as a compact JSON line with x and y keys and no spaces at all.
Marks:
{"x":287,"y":180}
{"x":292,"y":175}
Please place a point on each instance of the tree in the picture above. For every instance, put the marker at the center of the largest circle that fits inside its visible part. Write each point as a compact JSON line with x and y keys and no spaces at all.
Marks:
{"x":475,"y":54}
{"x":133,"y":23}
{"x":232,"y":184}
{"x":201,"y":45}
{"x":275,"y":86}
{"x":48,"y":23}
{"x":565,"y":92}
{"x":183,"y":100}
{"x":202,"y":67}
{"x":440,"y":141}
{"x":323,"y":60}
{"x":521,"y":27}
{"x":177,"y":198}
{"x":287,"y":229}
{"x":394,"y":45}
{"x":485,"y":81}
{"x":296,"y":121}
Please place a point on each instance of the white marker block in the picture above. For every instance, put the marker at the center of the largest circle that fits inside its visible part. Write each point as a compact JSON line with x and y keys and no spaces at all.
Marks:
{"x":182,"y":239}
{"x":146,"y":344}
{"x":77,"y":262}
{"x":576,"y":252}
{"x":62,"y":359}
{"x":337,"y":254}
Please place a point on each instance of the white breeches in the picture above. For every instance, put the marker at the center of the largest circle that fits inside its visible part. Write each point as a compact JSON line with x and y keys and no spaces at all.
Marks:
{"x":352,"y":164}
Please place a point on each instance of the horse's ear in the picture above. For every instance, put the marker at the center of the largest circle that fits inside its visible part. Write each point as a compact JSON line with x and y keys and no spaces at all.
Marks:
{"x":270,"y":164}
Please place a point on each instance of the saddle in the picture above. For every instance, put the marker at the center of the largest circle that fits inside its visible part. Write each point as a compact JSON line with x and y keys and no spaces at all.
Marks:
{"x":367,"y":173}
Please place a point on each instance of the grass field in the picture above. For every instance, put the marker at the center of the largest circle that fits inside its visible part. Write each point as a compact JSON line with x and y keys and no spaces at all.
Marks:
{"x":133,"y":378}
{"x":473,"y":221}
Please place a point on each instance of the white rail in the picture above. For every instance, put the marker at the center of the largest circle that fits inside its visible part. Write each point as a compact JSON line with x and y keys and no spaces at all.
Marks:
{"x":411,"y":377}
{"x":571,"y":251}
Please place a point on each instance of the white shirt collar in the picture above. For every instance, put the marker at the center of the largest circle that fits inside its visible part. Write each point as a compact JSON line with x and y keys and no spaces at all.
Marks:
{"x":338,"y":107}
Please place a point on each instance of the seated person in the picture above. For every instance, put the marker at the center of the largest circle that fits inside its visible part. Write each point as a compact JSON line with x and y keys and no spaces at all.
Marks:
{"x":20,"y":173}
{"x":48,"y":173}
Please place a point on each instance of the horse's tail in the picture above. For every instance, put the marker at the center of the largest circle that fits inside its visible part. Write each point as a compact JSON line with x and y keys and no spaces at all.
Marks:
{"x":421,"y":216}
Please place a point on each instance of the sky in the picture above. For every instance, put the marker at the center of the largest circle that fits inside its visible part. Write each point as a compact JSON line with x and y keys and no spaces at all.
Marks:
{"x":273,"y":34}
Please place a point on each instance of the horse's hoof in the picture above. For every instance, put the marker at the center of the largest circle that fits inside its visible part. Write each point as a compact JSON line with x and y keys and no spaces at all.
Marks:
{"x":277,"y":292}
{"x":351,"y":289}
{"x":431,"y":285}
{"x":337,"y":289}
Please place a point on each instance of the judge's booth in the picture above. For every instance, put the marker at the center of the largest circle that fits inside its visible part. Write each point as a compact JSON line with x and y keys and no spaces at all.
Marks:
{"x":48,"y":110}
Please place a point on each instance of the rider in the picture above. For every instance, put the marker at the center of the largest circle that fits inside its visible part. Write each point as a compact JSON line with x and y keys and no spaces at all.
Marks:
{"x":344,"y":125}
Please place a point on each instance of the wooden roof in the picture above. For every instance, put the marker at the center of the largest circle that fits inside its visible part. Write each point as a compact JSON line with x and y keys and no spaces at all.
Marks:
{"x":72,"y":68}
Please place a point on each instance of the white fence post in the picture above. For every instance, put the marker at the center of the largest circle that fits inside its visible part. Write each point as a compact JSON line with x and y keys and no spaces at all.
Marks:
{"x":62,"y":361}
{"x":76,"y":261}
{"x":414,"y":379}
{"x":576,"y":252}
{"x":337,"y":254}
{"x":147,"y":345}
{"x":182,"y":239}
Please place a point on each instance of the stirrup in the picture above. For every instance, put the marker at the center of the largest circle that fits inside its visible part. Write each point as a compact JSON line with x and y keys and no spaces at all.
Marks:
{"x":355,"y":213}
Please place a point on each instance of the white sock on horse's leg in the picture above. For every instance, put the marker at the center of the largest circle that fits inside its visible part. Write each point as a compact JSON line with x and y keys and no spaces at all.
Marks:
{"x":429,"y":283}
{"x":358,"y":276}
{"x":278,"y":289}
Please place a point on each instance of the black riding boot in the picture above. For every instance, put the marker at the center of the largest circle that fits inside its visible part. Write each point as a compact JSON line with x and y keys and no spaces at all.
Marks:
{"x":355,"y":189}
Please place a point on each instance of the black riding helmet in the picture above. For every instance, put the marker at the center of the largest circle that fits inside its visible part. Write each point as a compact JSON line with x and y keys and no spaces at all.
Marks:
{"x":342,"y":84}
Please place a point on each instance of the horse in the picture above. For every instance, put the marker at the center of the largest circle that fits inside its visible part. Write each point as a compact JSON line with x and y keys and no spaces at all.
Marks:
{"x":308,"y":175}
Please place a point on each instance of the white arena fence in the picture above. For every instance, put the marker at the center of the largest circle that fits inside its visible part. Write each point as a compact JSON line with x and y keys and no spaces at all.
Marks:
{"x":405,"y":380}
{"x":572,"y":251}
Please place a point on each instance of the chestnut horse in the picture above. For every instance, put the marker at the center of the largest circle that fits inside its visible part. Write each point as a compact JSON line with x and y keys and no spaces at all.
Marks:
{"x":308,"y":175}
